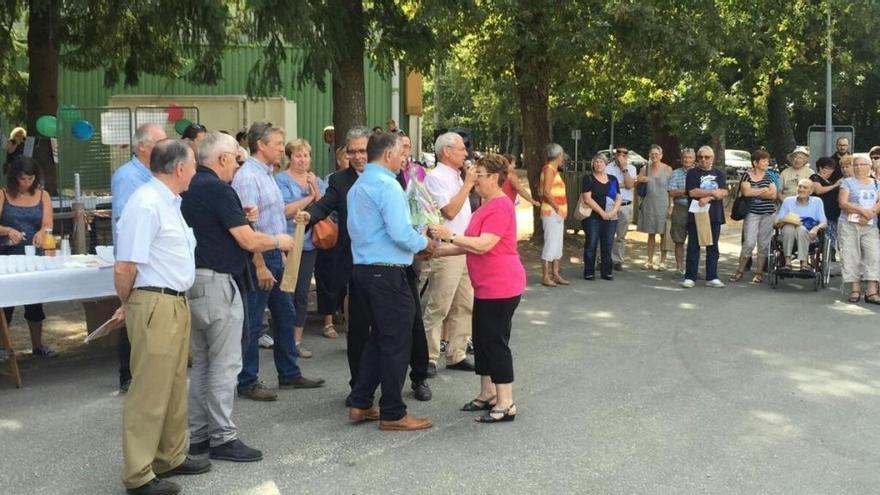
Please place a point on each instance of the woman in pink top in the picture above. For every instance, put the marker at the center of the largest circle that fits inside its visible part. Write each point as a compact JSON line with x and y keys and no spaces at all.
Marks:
{"x":499,"y":279}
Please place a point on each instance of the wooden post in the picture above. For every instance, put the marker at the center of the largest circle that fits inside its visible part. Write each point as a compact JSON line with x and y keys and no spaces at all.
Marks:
{"x":6,"y":341}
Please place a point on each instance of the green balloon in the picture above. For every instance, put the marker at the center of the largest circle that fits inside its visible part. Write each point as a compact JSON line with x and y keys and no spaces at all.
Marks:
{"x":47,"y":126}
{"x":181,"y":125}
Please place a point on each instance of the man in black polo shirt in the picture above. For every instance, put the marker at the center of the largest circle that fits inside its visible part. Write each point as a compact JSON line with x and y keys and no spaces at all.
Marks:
{"x":223,"y":239}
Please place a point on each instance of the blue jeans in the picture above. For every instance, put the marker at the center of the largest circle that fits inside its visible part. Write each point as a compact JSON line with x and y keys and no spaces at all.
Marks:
{"x":281,"y":306}
{"x":693,"y":253}
{"x":599,"y":233}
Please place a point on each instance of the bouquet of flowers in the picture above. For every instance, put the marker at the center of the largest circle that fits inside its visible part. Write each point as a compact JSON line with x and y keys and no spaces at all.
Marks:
{"x":422,"y":208}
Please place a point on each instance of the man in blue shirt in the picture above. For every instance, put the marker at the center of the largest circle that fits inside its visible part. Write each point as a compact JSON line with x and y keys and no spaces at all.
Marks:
{"x":125,"y":181}
{"x":382,"y":244}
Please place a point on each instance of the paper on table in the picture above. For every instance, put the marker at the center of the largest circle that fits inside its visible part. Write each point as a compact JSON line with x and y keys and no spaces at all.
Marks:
{"x":103,"y":330}
{"x":696,"y":208}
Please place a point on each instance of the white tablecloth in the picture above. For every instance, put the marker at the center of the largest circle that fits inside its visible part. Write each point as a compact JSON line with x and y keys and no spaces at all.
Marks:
{"x":66,"y":284}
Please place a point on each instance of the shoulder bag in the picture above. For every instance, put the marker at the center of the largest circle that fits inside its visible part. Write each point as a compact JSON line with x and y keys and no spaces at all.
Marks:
{"x":741,"y":204}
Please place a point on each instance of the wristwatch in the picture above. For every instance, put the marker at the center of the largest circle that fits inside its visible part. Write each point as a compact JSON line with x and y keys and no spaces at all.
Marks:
{"x":452,"y":239}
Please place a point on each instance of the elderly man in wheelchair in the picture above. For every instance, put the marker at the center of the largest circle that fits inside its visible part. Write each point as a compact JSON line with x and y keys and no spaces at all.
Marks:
{"x":800,"y":221}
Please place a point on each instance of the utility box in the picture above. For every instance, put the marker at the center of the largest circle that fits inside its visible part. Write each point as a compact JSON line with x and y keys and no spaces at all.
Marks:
{"x":230,"y":113}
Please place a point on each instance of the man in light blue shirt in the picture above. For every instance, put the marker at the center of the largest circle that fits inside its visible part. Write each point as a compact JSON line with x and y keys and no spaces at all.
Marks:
{"x":383,"y":242}
{"x":134,"y":173}
{"x":130,"y":176}
{"x":625,"y":172}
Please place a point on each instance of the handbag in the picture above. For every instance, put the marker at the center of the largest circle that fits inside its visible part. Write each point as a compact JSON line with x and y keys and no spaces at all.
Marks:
{"x":583,"y":210}
{"x":325,"y":234}
{"x":741,"y":204}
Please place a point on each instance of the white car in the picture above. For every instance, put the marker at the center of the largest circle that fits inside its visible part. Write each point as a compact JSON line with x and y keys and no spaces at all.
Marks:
{"x":635,"y":159}
{"x":738,"y":159}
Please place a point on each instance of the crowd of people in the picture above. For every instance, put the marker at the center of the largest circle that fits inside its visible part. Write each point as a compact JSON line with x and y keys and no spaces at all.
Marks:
{"x":204,"y":226}
{"x":200,"y":234}
{"x":798,"y":206}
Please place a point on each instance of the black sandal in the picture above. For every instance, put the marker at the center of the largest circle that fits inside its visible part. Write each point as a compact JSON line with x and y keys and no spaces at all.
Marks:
{"x":854,"y":296}
{"x":505,"y":415}
{"x":479,"y":405}
{"x":872,"y":298}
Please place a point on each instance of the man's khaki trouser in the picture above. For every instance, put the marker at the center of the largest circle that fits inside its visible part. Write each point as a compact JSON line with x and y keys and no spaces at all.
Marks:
{"x":449,"y":302}
{"x":154,"y":420}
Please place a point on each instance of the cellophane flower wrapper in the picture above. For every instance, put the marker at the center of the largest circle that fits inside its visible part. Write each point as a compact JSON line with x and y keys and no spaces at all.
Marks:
{"x":422,"y":208}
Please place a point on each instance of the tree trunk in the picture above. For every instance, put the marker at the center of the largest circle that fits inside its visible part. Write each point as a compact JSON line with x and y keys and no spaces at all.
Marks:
{"x":42,"y":92}
{"x":719,"y":141}
{"x":530,"y":68}
{"x":662,"y":135}
{"x":349,"y":90}
{"x":780,"y":136}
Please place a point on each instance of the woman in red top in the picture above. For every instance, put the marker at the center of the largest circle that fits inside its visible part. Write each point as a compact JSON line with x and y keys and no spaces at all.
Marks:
{"x":512,"y":186}
{"x":499,"y":279}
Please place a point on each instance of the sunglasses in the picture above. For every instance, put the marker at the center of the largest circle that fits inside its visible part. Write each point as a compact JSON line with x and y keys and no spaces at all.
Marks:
{"x":622,"y":152}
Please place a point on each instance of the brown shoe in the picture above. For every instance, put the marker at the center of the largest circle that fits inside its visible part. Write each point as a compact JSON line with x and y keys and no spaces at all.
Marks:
{"x":360,"y":415}
{"x":406,"y":423}
{"x":257,"y":392}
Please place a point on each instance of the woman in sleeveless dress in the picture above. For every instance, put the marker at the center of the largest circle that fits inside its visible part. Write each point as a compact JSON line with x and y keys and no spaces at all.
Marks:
{"x":655,"y":204}
{"x":25,"y":213}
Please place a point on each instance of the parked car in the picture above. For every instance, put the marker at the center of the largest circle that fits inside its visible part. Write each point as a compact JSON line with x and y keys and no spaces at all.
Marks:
{"x":635,"y":159}
{"x":738,"y":159}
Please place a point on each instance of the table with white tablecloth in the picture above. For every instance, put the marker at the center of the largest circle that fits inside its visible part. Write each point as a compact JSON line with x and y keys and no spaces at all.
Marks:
{"x":74,"y":281}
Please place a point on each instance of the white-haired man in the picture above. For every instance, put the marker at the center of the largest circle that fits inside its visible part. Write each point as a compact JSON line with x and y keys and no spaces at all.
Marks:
{"x":450,"y":296}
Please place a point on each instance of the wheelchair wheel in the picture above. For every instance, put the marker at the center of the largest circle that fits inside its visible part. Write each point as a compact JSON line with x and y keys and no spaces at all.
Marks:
{"x":771,"y":267}
{"x":817,"y":280}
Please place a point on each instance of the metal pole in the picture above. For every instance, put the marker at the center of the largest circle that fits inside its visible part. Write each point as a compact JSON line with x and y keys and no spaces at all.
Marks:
{"x":576,"y":153}
{"x":611,"y":143}
{"x":829,"y":127}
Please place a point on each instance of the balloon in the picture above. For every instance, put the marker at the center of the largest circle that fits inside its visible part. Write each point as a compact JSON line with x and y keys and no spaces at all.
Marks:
{"x":175,"y":113}
{"x":181,"y":125}
{"x":82,"y":130}
{"x":70,"y":114}
{"x":47,"y":125}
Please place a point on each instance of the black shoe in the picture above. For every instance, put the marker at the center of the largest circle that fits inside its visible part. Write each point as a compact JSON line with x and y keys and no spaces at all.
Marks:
{"x":618,"y":267}
{"x":156,"y":486}
{"x":123,"y":385}
{"x":301,"y":382}
{"x":432,"y":370}
{"x":236,"y":451}
{"x":199,"y":449}
{"x":589,"y":277}
{"x":348,"y":402}
{"x":189,"y":466}
{"x":607,"y":277}
{"x":463,"y":365}
{"x":422,"y":391}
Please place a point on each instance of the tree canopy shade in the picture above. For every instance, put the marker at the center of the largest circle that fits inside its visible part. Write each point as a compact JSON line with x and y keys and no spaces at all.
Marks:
{"x":334,"y":37}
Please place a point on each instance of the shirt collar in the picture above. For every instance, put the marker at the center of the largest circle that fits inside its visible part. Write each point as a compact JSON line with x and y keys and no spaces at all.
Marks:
{"x":379,"y":169}
{"x":139,"y":165}
{"x":258,"y":163}
{"x":165,"y":193}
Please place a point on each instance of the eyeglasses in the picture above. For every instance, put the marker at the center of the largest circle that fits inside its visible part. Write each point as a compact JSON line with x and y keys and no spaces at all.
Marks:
{"x":622,"y":152}
{"x":482,"y":174}
{"x":362,"y":151}
{"x":875,"y":157}
{"x":703,"y":157}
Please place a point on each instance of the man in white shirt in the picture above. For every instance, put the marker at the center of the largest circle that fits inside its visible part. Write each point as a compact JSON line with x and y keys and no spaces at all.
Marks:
{"x":155,"y":266}
{"x":625,"y":173}
{"x":450,"y":296}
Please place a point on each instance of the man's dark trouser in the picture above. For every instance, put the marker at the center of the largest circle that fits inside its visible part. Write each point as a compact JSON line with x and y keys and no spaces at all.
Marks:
{"x":693,"y":253}
{"x":359,"y":330}
{"x":387,"y":301}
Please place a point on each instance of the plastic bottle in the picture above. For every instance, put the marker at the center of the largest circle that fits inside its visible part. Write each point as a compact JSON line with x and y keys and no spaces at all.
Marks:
{"x":49,"y":245}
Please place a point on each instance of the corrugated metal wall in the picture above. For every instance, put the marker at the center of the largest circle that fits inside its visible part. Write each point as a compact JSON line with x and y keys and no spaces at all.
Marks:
{"x":86,"y":89}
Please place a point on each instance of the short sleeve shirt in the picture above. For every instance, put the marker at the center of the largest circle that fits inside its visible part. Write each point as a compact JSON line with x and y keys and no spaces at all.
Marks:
{"x":154,"y":235}
{"x":255,"y":185}
{"x":603,"y":194}
{"x":498,"y":273}
{"x":790,"y":178}
{"x":292,"y":191}
{"x":614,"y":169}
{"x":710,"y":180}
{"x":676,"y":181}
{"x":829,"y":199}
{"x":444,"y":183}
{"x":211,"y":207}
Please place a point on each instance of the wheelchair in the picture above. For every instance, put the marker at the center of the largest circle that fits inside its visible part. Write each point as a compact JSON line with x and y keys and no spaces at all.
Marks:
{"x":818,"y":271}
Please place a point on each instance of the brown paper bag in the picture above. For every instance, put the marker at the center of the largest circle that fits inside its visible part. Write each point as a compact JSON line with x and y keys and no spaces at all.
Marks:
{"x":291,"y":264}
{"x":704,"y":228}
{"x":668,"y":245}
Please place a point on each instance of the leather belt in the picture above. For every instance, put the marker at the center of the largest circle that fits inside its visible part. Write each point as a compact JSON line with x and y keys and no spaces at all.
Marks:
{"x":163,"y":290}
{"x":390,"y":265}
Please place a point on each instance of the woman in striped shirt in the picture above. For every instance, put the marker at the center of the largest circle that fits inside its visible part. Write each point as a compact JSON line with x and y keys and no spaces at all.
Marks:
{"x":758,"y":224}
{"x":554,"y":209}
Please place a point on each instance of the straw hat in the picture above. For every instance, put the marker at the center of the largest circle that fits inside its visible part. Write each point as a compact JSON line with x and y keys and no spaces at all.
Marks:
{"x":801,"y":150}
{"x":791,"y":218}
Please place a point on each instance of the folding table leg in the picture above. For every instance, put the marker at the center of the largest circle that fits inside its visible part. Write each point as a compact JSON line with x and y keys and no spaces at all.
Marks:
{"x":6,"y":342}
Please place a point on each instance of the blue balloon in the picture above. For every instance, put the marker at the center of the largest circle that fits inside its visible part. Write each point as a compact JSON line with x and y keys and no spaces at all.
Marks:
{"x":82,"y":130}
